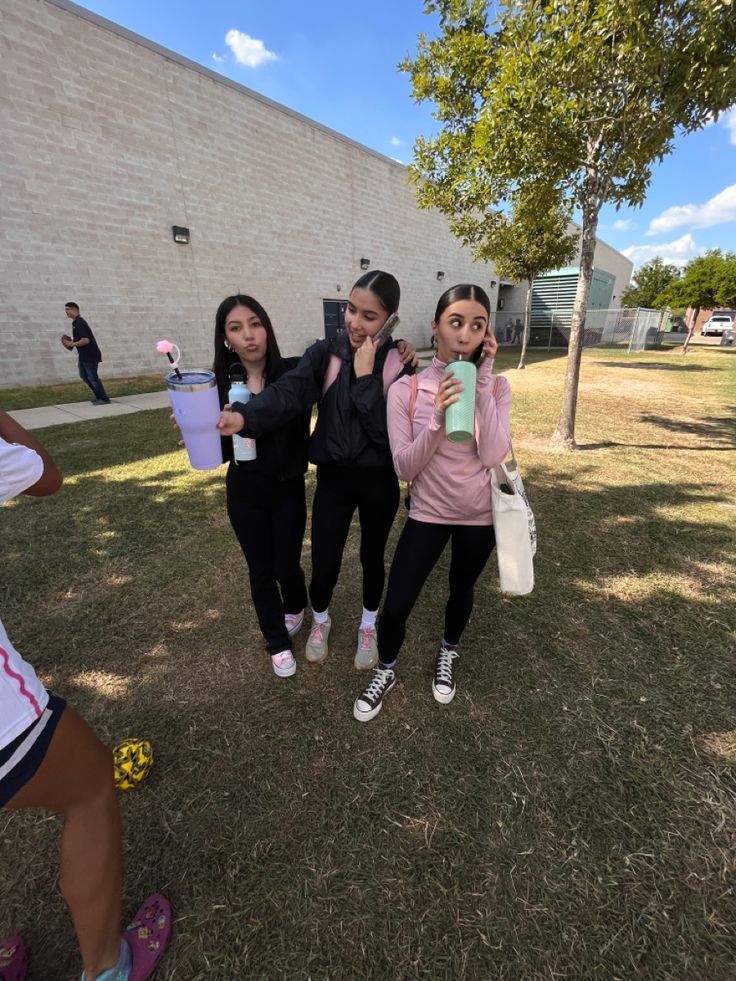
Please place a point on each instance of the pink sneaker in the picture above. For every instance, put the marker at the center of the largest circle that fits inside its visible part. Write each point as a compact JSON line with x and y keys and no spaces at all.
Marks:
{"x":283,"y":664}
{"x":13,"y":959}
{"x":293,"y":622}
{"x":148,"y":936}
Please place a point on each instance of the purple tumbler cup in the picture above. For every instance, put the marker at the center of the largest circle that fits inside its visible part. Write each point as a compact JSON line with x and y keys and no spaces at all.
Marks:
{"x":196,"y":404}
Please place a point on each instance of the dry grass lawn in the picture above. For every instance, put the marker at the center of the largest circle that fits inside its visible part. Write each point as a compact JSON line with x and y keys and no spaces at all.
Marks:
{"x":572,"y":814}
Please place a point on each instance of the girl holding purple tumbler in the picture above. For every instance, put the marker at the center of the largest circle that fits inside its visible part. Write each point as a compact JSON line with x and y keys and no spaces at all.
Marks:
{"x":266,"y":500}
{"x":450,"y":480}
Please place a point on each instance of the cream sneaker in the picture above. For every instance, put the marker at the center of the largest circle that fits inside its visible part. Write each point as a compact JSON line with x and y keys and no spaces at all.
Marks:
{"x":317,"y":650}
{"x":366,"y":654}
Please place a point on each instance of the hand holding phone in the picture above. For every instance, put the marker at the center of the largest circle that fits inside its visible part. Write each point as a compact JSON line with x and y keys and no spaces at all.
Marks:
{"x":386,"y":331}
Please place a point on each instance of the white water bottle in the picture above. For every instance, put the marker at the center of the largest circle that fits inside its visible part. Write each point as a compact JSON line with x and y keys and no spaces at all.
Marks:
{"x":244,"y":448}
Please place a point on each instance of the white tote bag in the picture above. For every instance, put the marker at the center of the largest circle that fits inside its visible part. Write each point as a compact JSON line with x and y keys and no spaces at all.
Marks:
{"x":516,"y":530}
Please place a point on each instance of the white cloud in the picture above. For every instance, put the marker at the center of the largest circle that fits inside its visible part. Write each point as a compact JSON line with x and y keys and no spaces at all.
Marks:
{"x":248,"y":50}
{"x":395,"y":141}
{"x":729,"y":118}
{"x":218,"y":58}
{"x":719,"y":209}
{"x":679,"y":252}
{"x":623,"y":224}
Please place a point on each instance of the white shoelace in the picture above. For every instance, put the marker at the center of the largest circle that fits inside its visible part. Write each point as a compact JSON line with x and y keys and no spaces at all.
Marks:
{"x":381,"y":678}
{"x":443,"y":674}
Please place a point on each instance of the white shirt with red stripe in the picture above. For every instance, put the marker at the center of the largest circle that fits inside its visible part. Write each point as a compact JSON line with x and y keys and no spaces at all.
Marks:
{"x":22,"y":696}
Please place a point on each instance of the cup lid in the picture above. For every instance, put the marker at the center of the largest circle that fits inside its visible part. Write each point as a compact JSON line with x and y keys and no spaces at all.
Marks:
{"x":191,"y":379}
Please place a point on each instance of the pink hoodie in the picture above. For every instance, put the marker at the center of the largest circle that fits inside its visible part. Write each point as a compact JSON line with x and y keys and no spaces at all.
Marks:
{"x":450,"y":481}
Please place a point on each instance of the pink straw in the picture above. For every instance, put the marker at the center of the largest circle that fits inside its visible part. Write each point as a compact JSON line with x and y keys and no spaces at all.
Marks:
{"x":166,"y":347}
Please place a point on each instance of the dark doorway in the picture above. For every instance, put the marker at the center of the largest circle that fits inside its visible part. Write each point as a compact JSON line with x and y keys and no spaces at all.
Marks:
{"x":334,"y":314}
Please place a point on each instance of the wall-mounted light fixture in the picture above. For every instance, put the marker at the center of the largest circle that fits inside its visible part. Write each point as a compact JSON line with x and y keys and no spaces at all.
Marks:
{"x":440,"y":275}
{"x":181,"y":235}
{"x":364,"y":263}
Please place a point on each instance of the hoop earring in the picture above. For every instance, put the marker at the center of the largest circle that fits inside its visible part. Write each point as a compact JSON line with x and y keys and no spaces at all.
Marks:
{"x":227,"y":346}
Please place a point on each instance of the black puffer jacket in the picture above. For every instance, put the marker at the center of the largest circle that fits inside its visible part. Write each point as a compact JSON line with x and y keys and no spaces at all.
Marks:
{"x":281,"y":452}
{"x":351,"y":426}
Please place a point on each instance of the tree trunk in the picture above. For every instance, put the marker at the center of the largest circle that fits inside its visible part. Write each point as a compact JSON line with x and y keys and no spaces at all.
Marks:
{"x":691,"y":330}
{"x":527,"y":317}
{"x":564,"y":434}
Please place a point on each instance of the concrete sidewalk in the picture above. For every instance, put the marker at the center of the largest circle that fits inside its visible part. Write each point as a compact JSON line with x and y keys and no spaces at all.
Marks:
{"x":60,"y":415}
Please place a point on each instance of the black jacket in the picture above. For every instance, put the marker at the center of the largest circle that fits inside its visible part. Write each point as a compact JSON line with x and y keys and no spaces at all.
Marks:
{"x":281,"y":452}
{"x":351,"y":428}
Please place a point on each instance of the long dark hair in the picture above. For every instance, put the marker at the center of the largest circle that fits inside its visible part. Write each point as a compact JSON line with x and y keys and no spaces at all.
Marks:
{"x":224,"y":358}
{"x":385,"y":287}
{"x":464,"y":291}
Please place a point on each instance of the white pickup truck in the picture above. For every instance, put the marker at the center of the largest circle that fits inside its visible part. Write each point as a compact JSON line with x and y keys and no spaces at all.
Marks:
{"x":716,"y":324}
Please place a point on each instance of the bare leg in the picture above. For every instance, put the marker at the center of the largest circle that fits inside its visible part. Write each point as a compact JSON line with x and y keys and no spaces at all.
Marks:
{"x":76,"y":780}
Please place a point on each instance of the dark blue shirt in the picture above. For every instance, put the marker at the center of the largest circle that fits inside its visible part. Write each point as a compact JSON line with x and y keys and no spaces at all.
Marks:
{"x":87,"y":352}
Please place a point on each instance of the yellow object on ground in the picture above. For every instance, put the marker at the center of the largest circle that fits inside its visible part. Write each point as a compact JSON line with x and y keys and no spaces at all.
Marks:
{"x":133,"y":761}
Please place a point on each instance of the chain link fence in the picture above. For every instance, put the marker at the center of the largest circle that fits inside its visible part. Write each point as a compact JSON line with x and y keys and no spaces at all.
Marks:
{"x":636,"y":327}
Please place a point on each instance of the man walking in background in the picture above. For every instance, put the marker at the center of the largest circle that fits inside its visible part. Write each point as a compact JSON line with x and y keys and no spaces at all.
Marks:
{"x":89,"y":353}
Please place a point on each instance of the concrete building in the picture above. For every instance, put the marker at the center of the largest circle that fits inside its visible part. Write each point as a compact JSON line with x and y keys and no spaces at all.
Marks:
{"x":110,"y":141}
{"x":553,"y":294}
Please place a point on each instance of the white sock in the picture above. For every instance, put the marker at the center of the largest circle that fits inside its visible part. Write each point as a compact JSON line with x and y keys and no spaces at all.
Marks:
{"x":321,"y":617}
{"x":288,"y":651}
{"x":448,"y":645}
{"x":368,"y":619}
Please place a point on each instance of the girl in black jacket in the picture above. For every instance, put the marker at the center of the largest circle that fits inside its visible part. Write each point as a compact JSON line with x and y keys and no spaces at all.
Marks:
{"x":265,"y":497}
{"x":347,"y":376}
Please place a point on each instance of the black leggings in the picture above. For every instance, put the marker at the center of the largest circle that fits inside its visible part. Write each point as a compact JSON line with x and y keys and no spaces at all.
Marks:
{"x":269,"y":517}
{"x":417,"y":552}
{"x":374,"y":491}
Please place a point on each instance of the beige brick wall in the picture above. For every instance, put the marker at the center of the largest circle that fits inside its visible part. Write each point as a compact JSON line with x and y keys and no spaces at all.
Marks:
{"x":109,"y":141}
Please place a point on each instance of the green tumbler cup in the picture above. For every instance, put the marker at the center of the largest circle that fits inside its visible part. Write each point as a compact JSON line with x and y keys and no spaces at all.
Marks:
{"x":460,"y":416}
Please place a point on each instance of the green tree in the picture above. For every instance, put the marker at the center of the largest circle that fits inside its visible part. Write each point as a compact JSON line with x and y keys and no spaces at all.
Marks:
{"x":649,"y":282}
{"x":707,"y":283}
{"x":583,"y":96}
{"x":533,"y":238}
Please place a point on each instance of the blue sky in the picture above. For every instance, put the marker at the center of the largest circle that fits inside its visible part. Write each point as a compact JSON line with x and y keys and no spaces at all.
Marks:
{"x":335,"y":62}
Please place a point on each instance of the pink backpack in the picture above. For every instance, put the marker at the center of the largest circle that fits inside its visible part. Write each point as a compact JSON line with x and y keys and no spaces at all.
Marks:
{"x":392,"y":368}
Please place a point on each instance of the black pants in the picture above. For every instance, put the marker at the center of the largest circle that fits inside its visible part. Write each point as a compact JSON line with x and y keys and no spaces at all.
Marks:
{"x":269,"y":517}
{"x":88,"y":374}
{"x":417,"y":552}
{"x":374,"y":491}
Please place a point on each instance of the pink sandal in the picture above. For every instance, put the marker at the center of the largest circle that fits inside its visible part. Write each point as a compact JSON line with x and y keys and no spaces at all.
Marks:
{"x":147,"y":936}
{"x":13,"y":959}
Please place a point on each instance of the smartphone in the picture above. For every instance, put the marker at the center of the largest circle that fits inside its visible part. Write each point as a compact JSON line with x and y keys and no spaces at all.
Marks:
{"x":387,"y":330}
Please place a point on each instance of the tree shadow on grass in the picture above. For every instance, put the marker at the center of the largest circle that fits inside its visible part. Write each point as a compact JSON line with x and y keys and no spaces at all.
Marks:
{"x":720,"y":428}
{"x":720,"y":431}
{"x":656,"y":366}
{"x":566,"y":778}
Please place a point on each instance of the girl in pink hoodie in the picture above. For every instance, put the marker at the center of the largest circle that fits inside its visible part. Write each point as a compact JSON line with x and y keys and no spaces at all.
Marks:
{"x":450,"y":492}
